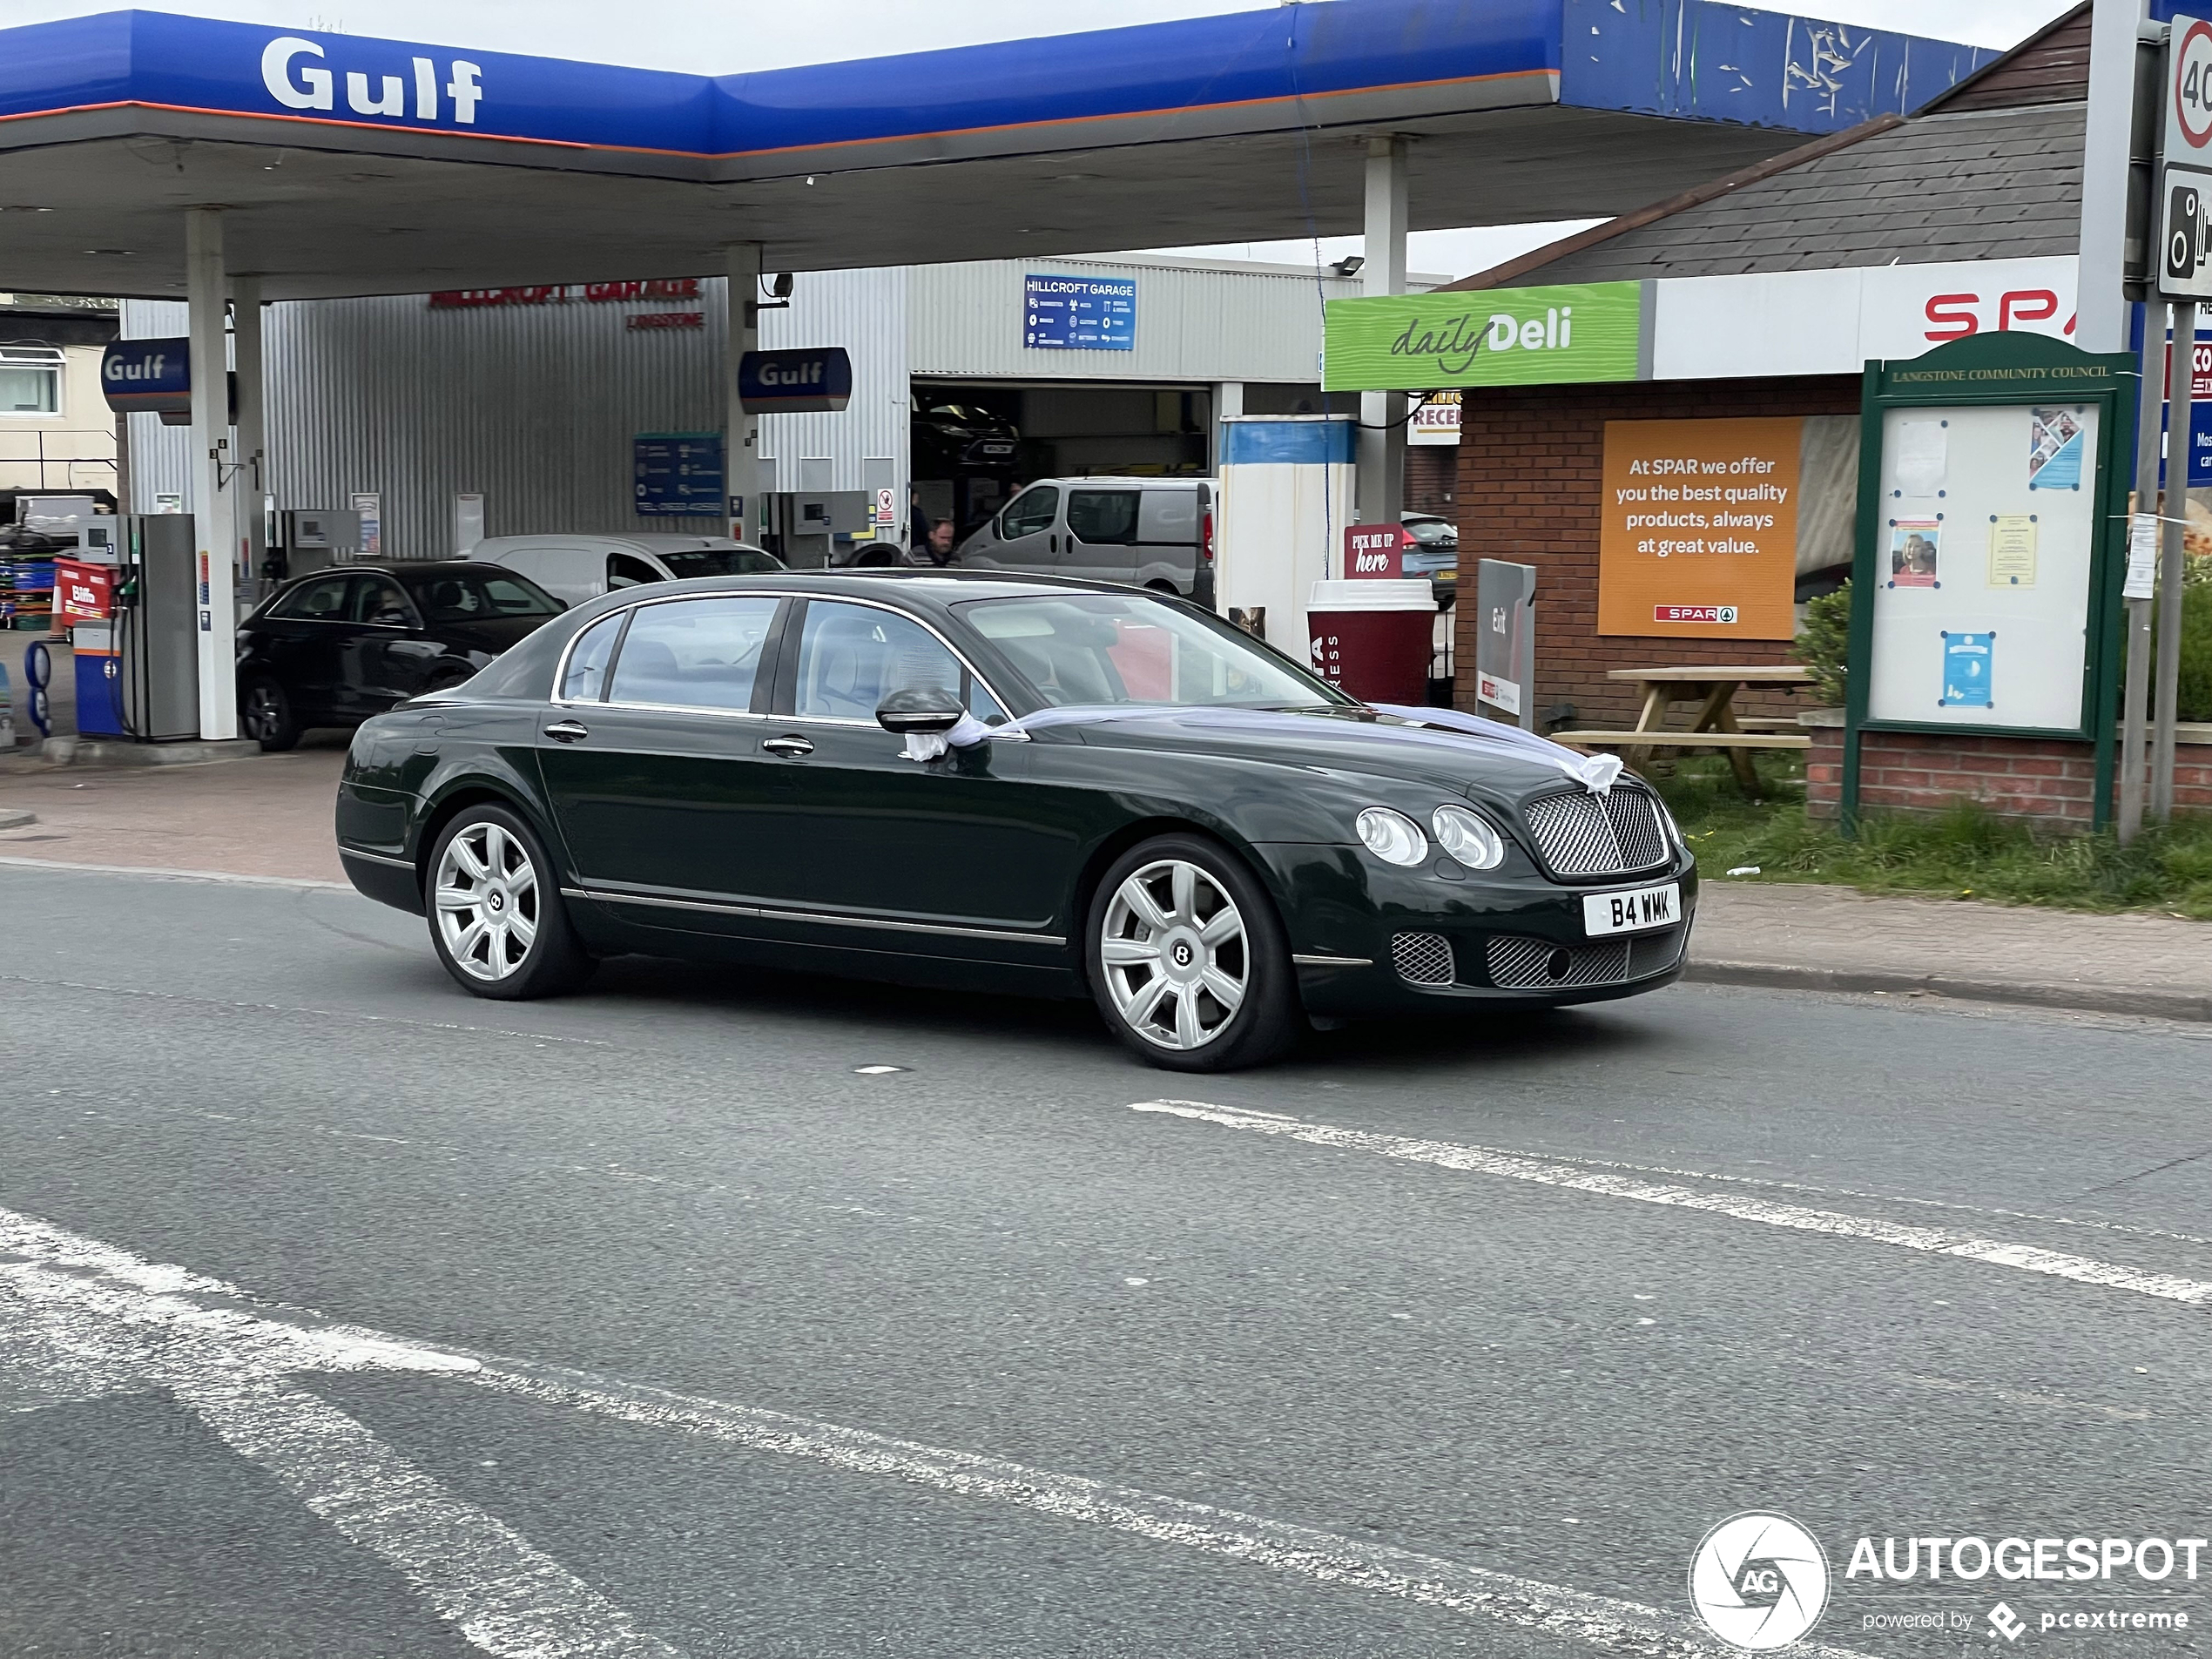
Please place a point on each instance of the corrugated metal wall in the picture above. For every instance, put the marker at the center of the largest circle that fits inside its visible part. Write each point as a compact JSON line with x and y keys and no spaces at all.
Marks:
{"x":1195,"y":324}
{"x":534,"y":407}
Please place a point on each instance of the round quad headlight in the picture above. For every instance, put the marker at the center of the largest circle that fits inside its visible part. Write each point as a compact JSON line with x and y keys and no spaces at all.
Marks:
{"x":1673,"y":830}
{"x":1469,"y":837}
{"x":1393,"y":837}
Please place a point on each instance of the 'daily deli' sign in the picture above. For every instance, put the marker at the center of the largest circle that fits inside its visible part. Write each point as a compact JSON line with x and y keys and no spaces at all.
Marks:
{"x":1417,"y":343}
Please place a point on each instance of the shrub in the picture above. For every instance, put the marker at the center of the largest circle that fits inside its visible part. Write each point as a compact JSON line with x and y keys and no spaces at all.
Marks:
{"x":1825,"y":645}
{"x":2196,"y":646}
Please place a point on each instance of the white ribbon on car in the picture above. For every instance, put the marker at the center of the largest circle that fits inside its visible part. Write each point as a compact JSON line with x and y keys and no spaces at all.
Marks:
{"x":1597,"y":773}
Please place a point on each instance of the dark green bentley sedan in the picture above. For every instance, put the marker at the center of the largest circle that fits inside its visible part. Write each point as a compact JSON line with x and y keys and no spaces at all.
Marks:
{"x":1024,"y":786}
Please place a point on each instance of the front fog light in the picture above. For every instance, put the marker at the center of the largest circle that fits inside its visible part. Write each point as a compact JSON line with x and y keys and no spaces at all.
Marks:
{"x":1393,"y":837}
{"x":1469,"y":837}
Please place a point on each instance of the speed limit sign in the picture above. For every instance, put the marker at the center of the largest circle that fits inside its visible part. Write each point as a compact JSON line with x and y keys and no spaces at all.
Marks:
{"x":2185,"y":181}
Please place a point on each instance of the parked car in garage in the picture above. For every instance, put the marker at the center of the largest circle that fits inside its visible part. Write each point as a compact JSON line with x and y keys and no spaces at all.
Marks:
{"x":336,"y":646}
{"x":1005,"y":784}
{"x":1154,"y":533}
{"x":575,"y":568}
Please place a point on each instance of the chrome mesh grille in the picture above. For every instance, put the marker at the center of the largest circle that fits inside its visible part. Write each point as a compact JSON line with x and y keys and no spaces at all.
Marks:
{"x":1608,"y":834}
{"x":1521,"y":964}
{"x":1423,"y":959}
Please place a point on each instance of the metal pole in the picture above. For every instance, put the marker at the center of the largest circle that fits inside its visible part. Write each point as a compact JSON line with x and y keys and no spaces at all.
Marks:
{"x":2181,"y":409}
{"x":216,"y":590}
{"x":742,"y":472}
{"x":1382,"y":415}
{"x":250,"y":534}
{"x":2134,"y":774}
{"x":2102,"y":310}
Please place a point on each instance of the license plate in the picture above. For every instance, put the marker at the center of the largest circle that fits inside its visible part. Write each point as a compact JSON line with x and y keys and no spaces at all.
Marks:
{"x":1632,"y":912}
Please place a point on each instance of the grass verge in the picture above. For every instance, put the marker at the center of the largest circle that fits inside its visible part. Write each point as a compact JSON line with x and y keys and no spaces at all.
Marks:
{"x":1968,"y":853}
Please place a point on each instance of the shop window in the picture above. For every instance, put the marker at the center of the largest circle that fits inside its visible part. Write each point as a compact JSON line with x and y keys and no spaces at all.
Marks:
{"x":1104,"y":517}
{"x":30,"y":379}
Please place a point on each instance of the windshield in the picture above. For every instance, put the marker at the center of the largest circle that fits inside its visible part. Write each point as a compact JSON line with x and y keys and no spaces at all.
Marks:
{"x":1087,"y":648}
{"x":719,"y":561}
{"x":479,"y":595}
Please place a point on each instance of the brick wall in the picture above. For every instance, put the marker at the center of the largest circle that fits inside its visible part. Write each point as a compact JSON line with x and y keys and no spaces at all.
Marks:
{"x":1529,"y":484}
{"x":1429,"y":469}
{"x":2045,"y":779}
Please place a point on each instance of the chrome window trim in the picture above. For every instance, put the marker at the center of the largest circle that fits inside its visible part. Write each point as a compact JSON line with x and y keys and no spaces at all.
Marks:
{"x":776,"y":912}
{"x":561,"y":668}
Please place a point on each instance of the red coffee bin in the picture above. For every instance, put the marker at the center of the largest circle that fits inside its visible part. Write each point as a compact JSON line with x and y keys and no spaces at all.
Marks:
{"x":1373,"y":639}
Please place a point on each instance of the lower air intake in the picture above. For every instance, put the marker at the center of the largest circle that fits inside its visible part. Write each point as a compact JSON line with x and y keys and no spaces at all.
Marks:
{"x":1423,"y":959}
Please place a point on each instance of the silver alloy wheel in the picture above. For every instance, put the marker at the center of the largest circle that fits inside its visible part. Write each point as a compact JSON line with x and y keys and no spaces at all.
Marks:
{"x":486,"y":897}
{"x":1177,"y":961}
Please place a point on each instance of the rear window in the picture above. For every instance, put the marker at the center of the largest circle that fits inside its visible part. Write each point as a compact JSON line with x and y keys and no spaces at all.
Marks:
{"x":472,"y":595}
{"x":720,"y":561}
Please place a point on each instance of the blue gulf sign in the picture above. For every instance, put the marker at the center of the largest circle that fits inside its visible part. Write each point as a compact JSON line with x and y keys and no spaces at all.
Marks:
{"x":1079,"y":313}
{"x":677,"y":475}
{"x":817,"y":379}
{"x":150,"y":375}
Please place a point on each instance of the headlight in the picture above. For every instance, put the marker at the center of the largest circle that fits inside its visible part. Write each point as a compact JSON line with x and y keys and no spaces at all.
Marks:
{"x":1673,"y":830}
{"x":1469,"y":837}
{"x":1393,"y":837}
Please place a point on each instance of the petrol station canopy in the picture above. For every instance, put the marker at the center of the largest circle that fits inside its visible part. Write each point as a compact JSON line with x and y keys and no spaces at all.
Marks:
{"x":352,"y":165}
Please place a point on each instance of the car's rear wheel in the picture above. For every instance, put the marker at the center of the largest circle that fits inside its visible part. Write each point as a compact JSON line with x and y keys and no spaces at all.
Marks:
{"x":1187,"y":958}
{"x":496,"y":916}
{"x":267,"y":717}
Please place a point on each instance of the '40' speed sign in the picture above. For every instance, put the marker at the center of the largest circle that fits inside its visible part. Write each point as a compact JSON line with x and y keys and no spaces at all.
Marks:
{"x":2189,"y":120}
{"x":2185,"y":181}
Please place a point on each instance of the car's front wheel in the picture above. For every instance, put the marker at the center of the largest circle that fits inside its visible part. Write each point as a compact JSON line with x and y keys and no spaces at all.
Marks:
{"x":1187,"y":958}
{"x":496,"y":916}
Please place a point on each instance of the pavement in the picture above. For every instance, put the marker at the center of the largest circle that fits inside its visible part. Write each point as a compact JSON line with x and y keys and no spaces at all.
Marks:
{"x":270,"y":816}
{"x":713,"y":1314}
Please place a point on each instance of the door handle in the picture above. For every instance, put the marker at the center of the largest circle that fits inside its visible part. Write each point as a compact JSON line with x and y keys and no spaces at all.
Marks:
{"x":793,"y":747}
{"x":567,"y":730}
{"x":1054,"y":541}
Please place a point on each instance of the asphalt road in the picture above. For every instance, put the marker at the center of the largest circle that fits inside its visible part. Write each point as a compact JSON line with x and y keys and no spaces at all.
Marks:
{"x":343,"y":1315}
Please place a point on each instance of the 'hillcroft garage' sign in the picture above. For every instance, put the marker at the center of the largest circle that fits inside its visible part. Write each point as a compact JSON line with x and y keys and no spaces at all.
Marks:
{"x":1417,"y":342}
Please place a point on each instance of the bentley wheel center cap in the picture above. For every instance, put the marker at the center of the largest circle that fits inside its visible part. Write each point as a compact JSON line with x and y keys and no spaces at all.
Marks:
{"x":497,"y":899}
{"x":1183,"y":956}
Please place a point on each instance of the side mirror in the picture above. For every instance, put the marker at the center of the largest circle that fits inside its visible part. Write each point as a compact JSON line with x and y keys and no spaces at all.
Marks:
{"x":919,"y":710}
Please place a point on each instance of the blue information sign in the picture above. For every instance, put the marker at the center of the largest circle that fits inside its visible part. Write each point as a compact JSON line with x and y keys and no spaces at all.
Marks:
{"x":1079,"y":313}
{"x":678,"y":475}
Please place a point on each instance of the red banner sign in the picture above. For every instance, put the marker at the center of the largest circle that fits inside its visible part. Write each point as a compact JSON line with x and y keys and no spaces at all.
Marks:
{"x":1373,"y":550}
{"x":82,"y":592}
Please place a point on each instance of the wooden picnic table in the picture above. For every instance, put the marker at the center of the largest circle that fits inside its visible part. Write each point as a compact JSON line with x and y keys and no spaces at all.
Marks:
{"x":1715,"y":725}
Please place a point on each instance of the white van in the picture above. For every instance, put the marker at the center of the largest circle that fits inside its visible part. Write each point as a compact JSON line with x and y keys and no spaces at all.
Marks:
{"x":575,"y":568}
{"x":1151,"y":533}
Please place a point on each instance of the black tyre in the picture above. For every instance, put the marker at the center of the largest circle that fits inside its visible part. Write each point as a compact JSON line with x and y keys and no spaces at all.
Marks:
{"x":266,"y":712}
{"x":1187,"y":958}
{"x":496,"y":918}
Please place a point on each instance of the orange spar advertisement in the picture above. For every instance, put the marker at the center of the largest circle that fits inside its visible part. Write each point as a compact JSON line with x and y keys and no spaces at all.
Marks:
{"x":1699,"y":532}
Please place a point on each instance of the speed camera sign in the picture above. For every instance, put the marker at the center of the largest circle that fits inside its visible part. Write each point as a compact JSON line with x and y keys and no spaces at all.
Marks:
{"x":2185,"y":181}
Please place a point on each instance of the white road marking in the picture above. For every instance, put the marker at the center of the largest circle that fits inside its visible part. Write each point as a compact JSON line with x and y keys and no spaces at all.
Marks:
{"x":80,"y":1320}
{"x":1481,"y":1160}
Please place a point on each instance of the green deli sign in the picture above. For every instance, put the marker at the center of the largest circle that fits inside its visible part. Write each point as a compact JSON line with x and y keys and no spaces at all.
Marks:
{"x":1422,"y":342}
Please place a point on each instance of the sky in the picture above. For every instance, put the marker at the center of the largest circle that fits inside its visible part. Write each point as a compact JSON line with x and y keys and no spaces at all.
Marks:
{"x":722,"y":38}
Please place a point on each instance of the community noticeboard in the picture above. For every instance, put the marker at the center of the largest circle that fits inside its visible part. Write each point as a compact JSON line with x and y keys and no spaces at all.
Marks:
{"x":1417,"y":342}
{"x":1698,"y":534}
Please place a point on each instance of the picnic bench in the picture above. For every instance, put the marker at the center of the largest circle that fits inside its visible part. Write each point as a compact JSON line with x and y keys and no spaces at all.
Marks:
{"x":1714,"y":726}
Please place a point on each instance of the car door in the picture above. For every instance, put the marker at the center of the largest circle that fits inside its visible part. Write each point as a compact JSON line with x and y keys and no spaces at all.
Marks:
{"x":1025,"y":535}
{"x":305,"y":631}
{"x":651,"y":760}
{"x":388,"y":655}
{"x":1101,"y":535}
{"x":919,"y":855}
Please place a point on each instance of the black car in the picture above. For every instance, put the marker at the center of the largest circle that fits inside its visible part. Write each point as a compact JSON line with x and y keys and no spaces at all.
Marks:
{"x":1013,"y":784}
{"x":335,"y":647}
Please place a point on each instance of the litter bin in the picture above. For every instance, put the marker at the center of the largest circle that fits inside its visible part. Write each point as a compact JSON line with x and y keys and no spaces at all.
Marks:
{"x":1373,"y":637}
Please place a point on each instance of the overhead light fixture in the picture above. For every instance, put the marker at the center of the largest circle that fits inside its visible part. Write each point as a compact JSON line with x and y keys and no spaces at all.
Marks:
{"x":112,"y":252}
{"x":1350,"y":265}
{"x":24,"y":207}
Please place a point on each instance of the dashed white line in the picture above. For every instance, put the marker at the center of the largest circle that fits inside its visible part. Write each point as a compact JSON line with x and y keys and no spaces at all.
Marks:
{"x":81,"y":1319}
{"x":1514,"y":1166}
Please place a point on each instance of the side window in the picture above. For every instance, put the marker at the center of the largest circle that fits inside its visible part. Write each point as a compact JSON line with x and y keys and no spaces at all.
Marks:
{"x":378,"y":599}
{"x":694,"y":653}
{"x":320,"y":600}
{"x":1102,"y":518}
{"x":626,"y":571}
{"x":1169,"y":515}
{"x":586,"y":679}
{"x":853,"y":657}
{"x":1030,"y":514}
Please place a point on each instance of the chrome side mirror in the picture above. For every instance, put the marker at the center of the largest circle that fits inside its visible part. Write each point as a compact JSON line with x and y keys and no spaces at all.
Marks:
{"x":928,"y":710}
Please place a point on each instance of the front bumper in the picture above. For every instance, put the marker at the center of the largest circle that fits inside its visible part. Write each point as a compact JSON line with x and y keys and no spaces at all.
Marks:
{"x":1370,"y":937}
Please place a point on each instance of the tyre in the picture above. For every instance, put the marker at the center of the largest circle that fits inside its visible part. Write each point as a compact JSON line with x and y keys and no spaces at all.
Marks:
{"x":267,"y":715}
{"x":496,"y":918}
{"x":1188,"y":962}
